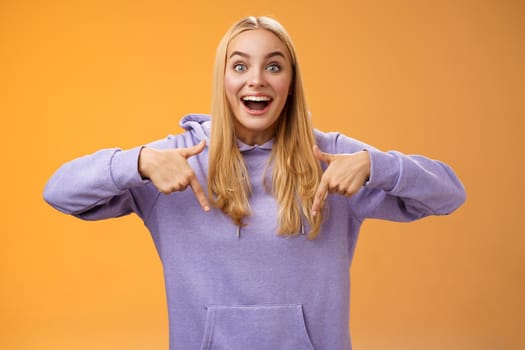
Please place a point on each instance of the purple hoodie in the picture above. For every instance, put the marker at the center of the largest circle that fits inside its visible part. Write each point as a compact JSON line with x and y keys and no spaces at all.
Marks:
{"x":257,"y":290}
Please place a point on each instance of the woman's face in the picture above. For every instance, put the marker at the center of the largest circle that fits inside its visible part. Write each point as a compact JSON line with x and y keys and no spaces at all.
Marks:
{"x":257,"y":83}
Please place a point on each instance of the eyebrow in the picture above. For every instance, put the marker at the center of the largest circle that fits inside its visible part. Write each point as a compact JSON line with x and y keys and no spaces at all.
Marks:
{"x":243,"y":54}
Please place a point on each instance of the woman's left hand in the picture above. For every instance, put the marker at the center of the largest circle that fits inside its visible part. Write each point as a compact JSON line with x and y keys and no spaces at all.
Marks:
{"x":345,"y":175}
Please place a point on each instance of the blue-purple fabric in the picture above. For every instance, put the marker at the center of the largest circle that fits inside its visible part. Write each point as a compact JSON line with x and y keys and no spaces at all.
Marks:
{"x":256,"y":290}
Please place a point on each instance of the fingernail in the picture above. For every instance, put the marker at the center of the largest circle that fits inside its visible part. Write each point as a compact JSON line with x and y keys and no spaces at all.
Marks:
{"x":206,"y":208}
{"x":314,"y":213}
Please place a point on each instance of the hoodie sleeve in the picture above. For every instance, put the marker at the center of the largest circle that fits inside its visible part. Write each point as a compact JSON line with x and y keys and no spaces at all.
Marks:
{"x":107,"y":183}
{"x":96,"y":186}
{"x":102,"y":185}
{"x":403,"y":187}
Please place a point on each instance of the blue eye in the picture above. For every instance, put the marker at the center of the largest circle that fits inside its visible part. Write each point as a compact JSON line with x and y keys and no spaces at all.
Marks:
{"x":273,"y":68}
{"x":239,"y":67}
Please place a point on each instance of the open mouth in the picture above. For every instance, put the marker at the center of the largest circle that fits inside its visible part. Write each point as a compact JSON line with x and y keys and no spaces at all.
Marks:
{"x":256,"y":103}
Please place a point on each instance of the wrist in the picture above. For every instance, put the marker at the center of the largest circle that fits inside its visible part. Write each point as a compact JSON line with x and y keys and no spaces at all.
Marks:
{"x":144,"y":162}
{"x":366,"y":164}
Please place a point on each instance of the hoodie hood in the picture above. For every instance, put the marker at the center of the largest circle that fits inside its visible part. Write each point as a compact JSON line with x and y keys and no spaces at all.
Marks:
{"x":200,"y":127}
{"x":198,"y":124}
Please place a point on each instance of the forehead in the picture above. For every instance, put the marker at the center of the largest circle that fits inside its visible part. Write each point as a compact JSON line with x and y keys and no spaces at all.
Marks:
{"x":257,"y":42}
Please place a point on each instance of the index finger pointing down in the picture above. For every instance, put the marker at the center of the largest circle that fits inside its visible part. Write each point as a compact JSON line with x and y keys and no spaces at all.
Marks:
{"x":320,"y":197}
{"x":200,"y":194}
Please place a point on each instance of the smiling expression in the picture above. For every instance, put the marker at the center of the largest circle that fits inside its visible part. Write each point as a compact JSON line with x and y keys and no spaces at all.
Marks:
{"x":257,"y":82}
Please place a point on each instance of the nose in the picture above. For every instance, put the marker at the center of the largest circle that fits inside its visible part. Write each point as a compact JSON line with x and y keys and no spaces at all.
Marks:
{"x":256,"y":79}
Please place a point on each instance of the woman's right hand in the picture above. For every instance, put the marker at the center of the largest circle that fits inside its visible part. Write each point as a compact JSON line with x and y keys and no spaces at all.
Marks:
{"x":170,"y":172}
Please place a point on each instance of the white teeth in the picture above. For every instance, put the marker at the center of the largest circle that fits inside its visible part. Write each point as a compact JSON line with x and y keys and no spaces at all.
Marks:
{"x":256,"y":98}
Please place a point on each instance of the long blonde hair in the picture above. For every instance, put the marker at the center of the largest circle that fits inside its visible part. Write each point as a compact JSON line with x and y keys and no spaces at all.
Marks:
{"x":296,"y":172}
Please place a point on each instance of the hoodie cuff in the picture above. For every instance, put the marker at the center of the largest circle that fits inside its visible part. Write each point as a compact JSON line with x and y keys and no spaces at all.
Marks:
{"x":384,"y":170}
{"x":124,"y":168}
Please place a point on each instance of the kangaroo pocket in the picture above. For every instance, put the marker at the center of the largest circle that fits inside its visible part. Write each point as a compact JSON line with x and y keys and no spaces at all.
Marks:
{"x":275,"y":327}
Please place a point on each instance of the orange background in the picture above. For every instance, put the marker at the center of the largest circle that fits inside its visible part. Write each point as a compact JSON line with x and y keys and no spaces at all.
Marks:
{"x":440,"y":78}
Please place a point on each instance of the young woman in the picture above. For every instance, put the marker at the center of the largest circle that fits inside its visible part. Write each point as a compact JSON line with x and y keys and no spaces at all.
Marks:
{"x":255,"y":226}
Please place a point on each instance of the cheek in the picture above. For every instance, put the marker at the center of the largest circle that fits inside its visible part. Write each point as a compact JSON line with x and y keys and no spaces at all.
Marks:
{"x":283,"y":87}
{"x":231,"y":86}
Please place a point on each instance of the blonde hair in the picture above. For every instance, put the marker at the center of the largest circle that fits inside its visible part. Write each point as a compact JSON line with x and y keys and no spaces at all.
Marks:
{"x":296,"y":172}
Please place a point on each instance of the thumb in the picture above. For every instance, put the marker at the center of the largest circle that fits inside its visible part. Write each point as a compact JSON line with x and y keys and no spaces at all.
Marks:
{"x":193,"y":150}
{"x":322,"y":156}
